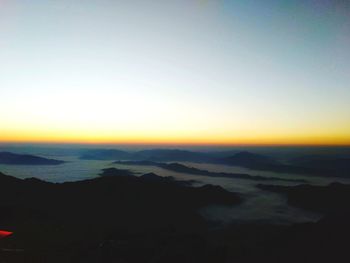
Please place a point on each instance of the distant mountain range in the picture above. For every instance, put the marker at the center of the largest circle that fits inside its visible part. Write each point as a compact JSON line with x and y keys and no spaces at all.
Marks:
{"x":249,"y":160}
{"x":105,"y":154}
{"x":26,"y":159}
{"x":155,"y":155}
{"x":309,"y":165}
{"x":180,"y":168}
{"x":339,"y":166}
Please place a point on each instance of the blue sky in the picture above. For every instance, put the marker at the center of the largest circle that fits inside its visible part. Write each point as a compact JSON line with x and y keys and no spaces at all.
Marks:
{"x":175,"y":71}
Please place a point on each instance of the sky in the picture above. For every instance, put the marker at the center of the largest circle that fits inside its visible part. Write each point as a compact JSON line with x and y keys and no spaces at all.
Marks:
{"x":184,"y":71}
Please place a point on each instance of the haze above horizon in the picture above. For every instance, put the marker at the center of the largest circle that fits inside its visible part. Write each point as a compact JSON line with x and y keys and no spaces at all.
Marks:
{"x":192,"y":72}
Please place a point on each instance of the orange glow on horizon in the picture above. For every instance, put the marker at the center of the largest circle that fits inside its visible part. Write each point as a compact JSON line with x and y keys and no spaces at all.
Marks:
{"x":182,"y":139}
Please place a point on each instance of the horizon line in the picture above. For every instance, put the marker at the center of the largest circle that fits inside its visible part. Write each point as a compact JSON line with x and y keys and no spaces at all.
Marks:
{"x":181,"y":144}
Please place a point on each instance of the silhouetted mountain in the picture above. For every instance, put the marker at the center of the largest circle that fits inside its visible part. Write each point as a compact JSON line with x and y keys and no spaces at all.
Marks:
{"x":157,"y":155}
{"x":144,"y":163}
{"x":152,"y":177}
{"x":165,"y":155}
{"x":105,"y":154}
{"x":156,"y":178}
{"x":26,"y":159}
{"x":306,"y":166}
{"x":169,"y":179}
{"x":116,"y":172}
{"x":124,"y":218}
{"x":333,"y":166}
{"x":60,"y":221}
{"x":326,"y":199}
{"x":248,"y":159}
{"x":323,"y":241}
{"x":180,"y":168}
{"x":264,"y":163}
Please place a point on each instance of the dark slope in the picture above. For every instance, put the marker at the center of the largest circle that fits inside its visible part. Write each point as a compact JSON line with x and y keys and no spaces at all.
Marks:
{"x":116,"y":172}
{"x":26,"y":159}
{"x":324,"y":241}
{"x":148,"y":219}
{"x":326,"y":199}
{"x":71,"y":220}
{"x":328,"y":165}
{"x":149,"y":177}
{"x":180,"y":168}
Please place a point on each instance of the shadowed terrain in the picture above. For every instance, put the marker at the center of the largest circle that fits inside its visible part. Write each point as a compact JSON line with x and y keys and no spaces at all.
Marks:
{"x":26,"y":159}
{"x":180,"y":168}
{"x":337,"y":165}
{"x":308,"y":165}
{"x":325,"y":199}
{"x":73,"y":220}
{"x":119,"y":217}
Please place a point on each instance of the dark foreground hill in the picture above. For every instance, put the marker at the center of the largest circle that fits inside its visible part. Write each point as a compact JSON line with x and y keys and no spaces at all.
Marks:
{"x":329,"y":199}
{"x":324,"y":241}
{"x":126,"y":219}
{"x":26,"y":159}
{"x":76,"y":221}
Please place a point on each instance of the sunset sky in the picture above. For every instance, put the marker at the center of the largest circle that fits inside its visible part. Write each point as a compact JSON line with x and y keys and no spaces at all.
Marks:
{"x":166,"y":71}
